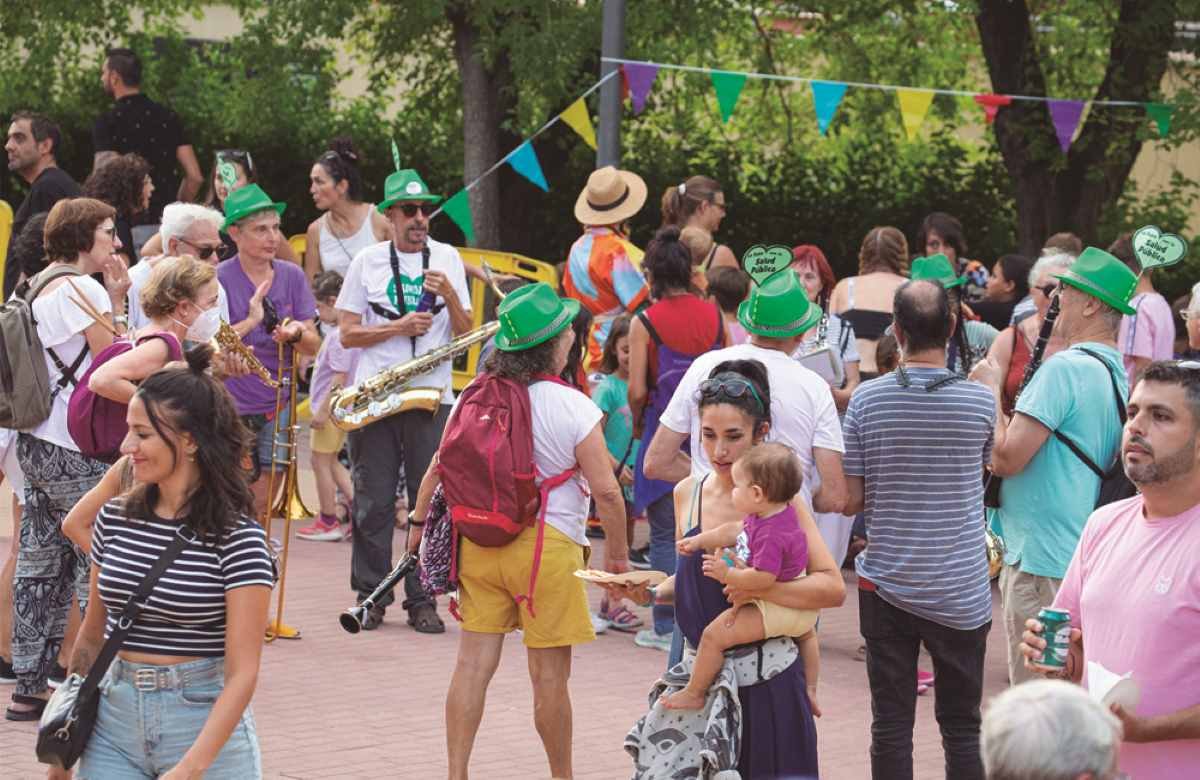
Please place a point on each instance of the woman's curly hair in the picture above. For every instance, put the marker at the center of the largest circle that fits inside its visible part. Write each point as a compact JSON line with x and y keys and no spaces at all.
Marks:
{"x":119,"y":183}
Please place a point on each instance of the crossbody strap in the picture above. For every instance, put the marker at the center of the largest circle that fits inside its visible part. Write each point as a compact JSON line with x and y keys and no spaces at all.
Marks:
{"x":641,"y":315}
{"x":137,"y":602}
{"x":1075,"y":448}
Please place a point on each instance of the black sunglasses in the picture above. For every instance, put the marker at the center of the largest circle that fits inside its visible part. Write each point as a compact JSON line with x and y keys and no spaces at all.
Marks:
{"x":204,"y":252}
{"x":730,"y":387}
{"x":411,"y":209}
{"x":1048,"y":289}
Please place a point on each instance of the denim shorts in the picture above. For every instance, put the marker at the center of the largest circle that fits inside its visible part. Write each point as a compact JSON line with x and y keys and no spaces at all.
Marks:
{"x":150,"y":715}
{"x":263,"y":429}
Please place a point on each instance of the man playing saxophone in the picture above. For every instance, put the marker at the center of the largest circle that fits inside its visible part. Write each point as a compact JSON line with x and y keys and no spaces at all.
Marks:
{"x":401,"y":299}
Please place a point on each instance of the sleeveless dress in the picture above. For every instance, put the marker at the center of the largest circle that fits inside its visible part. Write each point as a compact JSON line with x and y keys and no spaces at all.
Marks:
{"x":336,"y":253}
{"x":779,"y":737}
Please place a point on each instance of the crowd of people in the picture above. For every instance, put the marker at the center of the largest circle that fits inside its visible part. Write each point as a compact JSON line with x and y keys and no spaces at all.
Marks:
{"x":767,"y":434}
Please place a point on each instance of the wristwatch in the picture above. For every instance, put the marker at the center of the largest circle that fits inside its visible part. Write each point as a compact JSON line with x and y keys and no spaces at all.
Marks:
{"x":653,"y":596}
{"x":413,"y":522}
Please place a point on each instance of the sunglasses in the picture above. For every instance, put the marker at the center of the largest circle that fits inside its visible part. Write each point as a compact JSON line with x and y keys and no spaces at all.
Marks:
{"x":203,"y":252}
{"x":729,"y":387}
{"x":411,"y":209}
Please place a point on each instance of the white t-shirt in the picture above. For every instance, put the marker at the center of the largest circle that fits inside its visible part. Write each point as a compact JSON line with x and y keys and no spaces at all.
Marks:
{"x":60,"y":326}
{"x":803,"y":415}
{"x":139,"y":274}
{"x":369,"y":280}
{"x":562,"y":419}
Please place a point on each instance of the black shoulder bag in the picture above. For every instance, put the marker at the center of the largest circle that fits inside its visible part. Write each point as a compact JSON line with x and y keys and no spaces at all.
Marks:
{"x":70,"y":715}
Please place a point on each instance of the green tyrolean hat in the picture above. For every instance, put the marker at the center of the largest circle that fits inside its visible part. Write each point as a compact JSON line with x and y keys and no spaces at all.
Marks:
{"x":248,"y":200}
{"x":532,"y":315}
{"x":405,"y":185}
{"x":1103,"y":277}
{"x":778,"y":308}
{"x":936,"y":268}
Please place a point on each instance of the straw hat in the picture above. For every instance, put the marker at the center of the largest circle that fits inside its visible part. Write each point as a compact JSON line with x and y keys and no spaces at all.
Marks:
{"x":610,"y":197}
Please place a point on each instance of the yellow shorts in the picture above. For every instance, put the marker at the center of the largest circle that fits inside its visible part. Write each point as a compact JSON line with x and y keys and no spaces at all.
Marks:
{"x":327,"y":440}
{"x":490,"y":579}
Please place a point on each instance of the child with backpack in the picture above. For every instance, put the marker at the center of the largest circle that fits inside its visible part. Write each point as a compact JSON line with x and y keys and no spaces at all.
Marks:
{"x":765,"y":480}
{"x":334,"y":369}
{"x":612,"y":396}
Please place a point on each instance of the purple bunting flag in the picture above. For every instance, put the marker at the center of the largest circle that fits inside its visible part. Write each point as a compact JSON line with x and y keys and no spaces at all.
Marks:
{"x":640,"y":78}
{"x":1065,"y":114}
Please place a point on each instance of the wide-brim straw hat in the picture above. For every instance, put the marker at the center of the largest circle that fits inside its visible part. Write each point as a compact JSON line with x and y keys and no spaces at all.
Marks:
{"x":610,"y":197}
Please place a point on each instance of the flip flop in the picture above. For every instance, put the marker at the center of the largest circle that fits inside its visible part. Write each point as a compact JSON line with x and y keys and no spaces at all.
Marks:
{"x":31,"y":714}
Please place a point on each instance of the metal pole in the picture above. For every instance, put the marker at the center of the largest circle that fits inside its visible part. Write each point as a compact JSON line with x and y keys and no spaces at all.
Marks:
{"x":612,"y":44}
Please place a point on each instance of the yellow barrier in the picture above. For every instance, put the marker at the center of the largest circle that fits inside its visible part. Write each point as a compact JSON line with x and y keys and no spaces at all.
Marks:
{"x":6,"y":224}
{"x":482,"y":298}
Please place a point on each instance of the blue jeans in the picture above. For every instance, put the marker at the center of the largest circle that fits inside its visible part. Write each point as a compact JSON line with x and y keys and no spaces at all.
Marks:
{"x":661,"y":514}
{"x":141,"y":732}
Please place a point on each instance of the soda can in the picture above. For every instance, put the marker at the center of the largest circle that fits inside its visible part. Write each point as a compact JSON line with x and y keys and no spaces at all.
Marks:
{"x":1056,"y":630}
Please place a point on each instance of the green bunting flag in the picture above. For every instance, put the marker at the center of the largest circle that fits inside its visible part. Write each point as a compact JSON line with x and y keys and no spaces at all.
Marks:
{"x":729,"y":88}
{"x":458,"y":208}
{"x":1161,"y":114}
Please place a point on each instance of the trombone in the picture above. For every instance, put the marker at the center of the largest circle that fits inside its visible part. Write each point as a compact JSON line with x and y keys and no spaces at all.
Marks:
{"x":289,"y":506}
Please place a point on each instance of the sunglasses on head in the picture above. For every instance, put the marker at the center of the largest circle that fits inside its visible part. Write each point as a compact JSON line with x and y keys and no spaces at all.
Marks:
{"x":411,"y":209}
{"x":728,"y":387}
{"x":239,"y":156}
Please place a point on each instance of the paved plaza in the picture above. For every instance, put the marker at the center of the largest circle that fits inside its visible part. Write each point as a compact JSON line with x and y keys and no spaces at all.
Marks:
{"x":332,"y":705}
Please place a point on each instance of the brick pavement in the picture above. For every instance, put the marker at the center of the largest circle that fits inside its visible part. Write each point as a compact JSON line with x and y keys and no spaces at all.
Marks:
{"x":332,"y":705}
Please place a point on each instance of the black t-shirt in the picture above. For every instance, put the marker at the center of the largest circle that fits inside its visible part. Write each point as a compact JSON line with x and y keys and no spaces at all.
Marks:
{"x":51,"y":186}
{"x":138,"y":124}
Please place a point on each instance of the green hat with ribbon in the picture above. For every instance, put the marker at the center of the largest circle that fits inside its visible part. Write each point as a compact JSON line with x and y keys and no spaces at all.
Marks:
{"x":1103,"y":277}
{"x":405,"y":185}
{"x":248,"y":200}
{"x":936,"y":268}
{"x":532,"y":315}
{"x":778,"y":308}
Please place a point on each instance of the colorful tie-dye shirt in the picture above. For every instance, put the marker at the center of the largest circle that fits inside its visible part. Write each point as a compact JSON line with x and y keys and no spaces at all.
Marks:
{"x":604,"y":273}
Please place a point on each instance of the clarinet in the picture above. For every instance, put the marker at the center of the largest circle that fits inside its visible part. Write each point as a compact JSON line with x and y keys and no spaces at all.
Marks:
{"x":991,"y":491}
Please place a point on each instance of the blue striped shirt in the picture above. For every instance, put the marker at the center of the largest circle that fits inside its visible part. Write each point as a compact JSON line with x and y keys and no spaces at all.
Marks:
{"x":921,"y":456}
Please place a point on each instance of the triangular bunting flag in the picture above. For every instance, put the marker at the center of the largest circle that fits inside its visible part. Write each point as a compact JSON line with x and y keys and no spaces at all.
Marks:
{"x":914,"y":104}
{"x":458,"y":208}
{"x":827,"y":95}
{"x":525,"y":162}
{"x":1161,"y":114}
{"x":640,"y":78}
{"x":728,"y":87}
{"x":580,"y":121}
{"x":1065,"y":114}
{"x":991,"y":104}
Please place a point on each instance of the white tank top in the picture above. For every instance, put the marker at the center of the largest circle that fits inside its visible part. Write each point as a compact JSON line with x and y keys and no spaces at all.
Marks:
{"x":336,"y":253}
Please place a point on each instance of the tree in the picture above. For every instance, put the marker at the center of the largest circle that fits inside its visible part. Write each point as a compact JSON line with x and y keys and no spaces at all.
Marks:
{"x":1053,"y":195}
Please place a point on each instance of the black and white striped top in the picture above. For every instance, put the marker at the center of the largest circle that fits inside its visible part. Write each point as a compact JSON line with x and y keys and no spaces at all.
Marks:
{"x":185,"y":614}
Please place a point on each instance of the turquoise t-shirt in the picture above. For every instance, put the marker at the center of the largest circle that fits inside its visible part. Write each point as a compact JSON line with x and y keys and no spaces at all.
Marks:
{"x":612,"y":396}
{"x":1043,"y":509}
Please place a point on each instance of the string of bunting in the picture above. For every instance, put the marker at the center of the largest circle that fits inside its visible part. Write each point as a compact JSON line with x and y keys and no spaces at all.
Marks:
{"x":638,"y":77}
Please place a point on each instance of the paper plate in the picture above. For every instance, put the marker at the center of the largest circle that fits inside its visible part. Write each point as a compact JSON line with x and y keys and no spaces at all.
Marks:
{"x":629,"y":578}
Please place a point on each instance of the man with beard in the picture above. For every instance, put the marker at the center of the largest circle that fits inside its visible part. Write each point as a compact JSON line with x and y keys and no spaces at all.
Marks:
{"x":1134,"y":582}
{"x":32,"y":147}
{"x":384,"y":309}
{"x":1048,"y":491}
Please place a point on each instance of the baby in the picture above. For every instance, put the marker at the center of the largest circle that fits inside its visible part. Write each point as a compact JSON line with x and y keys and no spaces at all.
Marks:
{"x":765,"y":480}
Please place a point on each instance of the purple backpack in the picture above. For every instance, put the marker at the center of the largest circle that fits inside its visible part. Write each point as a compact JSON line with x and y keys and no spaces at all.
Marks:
{"x":97,"y":424}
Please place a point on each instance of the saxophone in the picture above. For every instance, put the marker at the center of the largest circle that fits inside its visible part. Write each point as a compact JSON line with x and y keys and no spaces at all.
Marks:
{"x":390,"y":392}
{"x":228,"y":341}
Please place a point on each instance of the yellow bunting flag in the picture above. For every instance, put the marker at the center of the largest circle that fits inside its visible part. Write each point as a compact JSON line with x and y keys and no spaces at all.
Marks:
{"x":914,"y":104}
{"x":577,"y":117}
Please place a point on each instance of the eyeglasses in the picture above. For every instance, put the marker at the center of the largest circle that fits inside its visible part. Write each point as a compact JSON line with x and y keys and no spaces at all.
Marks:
{"x":1048,"y":289}
{"x":729,"y":387}
{"x":411,"y":209}
{"x":204,"y":252}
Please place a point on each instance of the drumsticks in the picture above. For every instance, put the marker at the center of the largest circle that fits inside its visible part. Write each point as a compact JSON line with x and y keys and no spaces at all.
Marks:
{"x":83,"y":303}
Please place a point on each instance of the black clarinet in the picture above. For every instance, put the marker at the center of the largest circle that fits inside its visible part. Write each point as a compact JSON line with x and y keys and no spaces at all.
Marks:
{"x":352,"y":619}
{"x":991,"y":491}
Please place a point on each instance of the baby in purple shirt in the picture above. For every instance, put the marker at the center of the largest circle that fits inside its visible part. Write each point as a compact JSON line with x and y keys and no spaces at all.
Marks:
{"x":765,"y":480}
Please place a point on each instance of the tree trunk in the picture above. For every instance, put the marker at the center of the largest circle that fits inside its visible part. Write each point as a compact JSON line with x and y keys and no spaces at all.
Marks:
{"x":1052,"y":197}
{"x":487,"y":100}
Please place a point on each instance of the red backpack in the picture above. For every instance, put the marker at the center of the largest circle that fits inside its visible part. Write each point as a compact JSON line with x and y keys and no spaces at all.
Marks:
{"x":487,"y":470}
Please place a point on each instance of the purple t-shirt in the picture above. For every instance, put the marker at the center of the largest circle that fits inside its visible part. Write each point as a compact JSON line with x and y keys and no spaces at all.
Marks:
{"x":777,"y":544}
{"x":332,"y":359}
{"x":292,"y":298}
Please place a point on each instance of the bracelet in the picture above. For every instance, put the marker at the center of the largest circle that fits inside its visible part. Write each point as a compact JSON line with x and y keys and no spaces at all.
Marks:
{"x":653,"y":597}
{"x":412,"y":521}
{"x":121,"y":319}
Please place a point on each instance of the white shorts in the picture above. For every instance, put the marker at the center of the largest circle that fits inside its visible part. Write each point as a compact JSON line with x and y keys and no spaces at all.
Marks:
{"x":9,"y":465}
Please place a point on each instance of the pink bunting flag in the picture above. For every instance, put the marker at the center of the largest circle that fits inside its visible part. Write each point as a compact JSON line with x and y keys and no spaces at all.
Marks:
{"x":992,"y":104}
{"x":1066,"y":114}
{"x":640,"y":78}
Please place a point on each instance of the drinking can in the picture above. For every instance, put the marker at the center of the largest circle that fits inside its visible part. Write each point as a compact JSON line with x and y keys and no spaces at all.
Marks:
{"x":1056,"y":630}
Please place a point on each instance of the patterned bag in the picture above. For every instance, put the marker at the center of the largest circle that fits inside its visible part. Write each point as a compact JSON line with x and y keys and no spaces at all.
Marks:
{"x":439,"y":548}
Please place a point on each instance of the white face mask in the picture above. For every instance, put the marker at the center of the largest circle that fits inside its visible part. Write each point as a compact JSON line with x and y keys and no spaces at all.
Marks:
{"x":205,"y":326}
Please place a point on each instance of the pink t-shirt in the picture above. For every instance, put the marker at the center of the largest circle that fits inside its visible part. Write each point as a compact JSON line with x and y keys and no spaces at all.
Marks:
{"x":1133,"y":588}
{"x":1148,"y":334}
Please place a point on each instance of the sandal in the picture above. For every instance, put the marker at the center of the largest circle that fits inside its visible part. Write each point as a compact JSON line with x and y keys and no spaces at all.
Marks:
{"x":34,"y":713}
{"x":424,"y":619}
